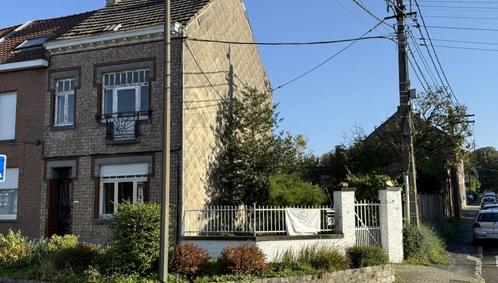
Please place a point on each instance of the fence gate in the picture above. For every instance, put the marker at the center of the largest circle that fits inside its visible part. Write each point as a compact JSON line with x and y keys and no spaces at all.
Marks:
{"x":367,"y":224}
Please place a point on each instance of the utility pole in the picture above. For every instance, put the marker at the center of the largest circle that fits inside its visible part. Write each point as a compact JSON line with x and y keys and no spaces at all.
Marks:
{"x":163,"y":252}
{"x":405,"y":112}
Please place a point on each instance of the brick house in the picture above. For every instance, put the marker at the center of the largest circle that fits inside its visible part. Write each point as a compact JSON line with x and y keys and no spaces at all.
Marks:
{"x":23,"y":71}
{"x":103,"y":109}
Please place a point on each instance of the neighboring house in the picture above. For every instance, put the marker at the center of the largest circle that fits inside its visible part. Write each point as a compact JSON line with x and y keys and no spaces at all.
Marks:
{"x":23,"y":83}
{"x":103,"y":112}
{"x":436,"y":172}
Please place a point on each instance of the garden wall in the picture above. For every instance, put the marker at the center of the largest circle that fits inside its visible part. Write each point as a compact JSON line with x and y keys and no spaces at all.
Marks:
{"x":374,"y":274}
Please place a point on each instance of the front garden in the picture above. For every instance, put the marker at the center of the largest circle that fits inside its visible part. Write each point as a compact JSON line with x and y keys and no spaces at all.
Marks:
{"x":133,"y":255}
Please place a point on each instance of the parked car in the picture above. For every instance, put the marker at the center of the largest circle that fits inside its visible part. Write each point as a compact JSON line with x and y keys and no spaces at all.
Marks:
{"x":489,"y":206}
{"x":489,"y":194}
{"x":487,"y":200}
{"x":486,"y":224}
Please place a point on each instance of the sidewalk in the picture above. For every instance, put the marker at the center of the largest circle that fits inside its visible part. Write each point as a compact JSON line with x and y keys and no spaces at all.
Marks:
{"x":428,"y":274}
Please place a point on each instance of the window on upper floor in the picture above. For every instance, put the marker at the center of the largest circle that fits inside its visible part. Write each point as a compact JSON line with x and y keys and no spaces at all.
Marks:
{"x":8,"y":105}
{"x":64,"y":103}
{"x":126,"y":92}
{"x":8,"y":194}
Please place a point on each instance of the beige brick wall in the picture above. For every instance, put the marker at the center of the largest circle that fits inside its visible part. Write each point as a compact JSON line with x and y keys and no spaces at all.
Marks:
{"x":222,"y":20}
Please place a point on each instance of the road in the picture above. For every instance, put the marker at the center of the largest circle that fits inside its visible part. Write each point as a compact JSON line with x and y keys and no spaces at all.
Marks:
{"x":462,"y":243}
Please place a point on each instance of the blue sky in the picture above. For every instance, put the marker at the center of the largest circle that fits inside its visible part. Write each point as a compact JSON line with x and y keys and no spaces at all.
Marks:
{"x":358,"y":87}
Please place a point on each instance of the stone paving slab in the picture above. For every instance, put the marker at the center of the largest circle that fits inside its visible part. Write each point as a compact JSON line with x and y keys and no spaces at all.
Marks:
{"x":428,"y":274}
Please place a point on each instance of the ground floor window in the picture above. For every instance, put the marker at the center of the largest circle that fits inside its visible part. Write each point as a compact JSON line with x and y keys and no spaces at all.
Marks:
{"x":8,"y":194}
{"x":118,"y":189}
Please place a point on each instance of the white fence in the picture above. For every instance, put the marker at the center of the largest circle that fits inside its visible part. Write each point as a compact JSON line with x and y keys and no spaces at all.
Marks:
{"x":367,"y":224}
{"x":246,"y":220}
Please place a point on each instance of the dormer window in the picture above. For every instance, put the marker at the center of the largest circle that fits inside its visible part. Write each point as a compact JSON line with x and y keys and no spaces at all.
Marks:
{"x":32,"y":42}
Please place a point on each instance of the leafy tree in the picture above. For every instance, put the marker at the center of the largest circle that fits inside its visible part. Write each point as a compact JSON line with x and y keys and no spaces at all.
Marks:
{"x":249,"y":151}
{"x":485,"y":163}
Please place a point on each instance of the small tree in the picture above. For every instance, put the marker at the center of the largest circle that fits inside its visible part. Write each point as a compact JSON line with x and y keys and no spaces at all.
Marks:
{"x":249,"y":151}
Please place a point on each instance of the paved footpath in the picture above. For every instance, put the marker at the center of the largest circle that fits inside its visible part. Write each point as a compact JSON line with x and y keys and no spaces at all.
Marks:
{"x":465,"y":259}
{"x":428,"y":274}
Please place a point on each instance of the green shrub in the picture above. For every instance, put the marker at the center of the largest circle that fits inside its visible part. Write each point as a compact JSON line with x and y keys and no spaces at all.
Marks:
{"x":322,"y":257}
{"x":363,"y":256}
{"x":423,"y":245}
{"x":367,"y":186}
{"x":188,"y":259}
{"x":290,"y":190}
{"x":57,"y":243}
{"x":311,"y":258}
{"x":244,"y":259}
{"x":14,"y":249}
{"x":135,"y":238}
{"x":78,"y":258}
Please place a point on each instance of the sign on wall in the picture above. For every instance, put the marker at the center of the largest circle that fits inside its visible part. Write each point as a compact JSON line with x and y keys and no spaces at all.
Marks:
{"x":3,"y":165}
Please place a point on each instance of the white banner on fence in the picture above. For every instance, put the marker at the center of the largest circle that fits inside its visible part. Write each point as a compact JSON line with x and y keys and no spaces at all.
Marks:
{"x":302,"y":221}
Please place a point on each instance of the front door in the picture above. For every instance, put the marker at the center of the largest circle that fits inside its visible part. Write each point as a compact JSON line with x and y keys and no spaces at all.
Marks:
{"x":59,"y":207}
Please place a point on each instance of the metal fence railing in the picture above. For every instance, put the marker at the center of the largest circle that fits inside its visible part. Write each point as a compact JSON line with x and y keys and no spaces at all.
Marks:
{"x":247,"y":220}
{"x":367,"y":224}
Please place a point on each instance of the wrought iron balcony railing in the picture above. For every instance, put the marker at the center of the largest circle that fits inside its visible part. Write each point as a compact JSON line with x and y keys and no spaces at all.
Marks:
{"x":124,"y":126}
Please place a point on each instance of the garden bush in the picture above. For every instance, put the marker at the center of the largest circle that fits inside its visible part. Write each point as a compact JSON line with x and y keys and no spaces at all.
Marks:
{"x":363,"y":256}
{"x":14,"y":249}
{"x":135,"y":238}
{"x":78,"y":258}
{"x":187,"y":259}
{"x":290,"y":190}
{"x":310,"y":259}
{"x":423,"y":245}
{"x":57,"y":243}
{"x":322,"y":257}
{"x":244,"y":259}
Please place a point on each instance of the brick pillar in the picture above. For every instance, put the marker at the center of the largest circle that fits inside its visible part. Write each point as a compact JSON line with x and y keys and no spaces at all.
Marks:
{"x":391,"y":223}
{"x":344,"y":215}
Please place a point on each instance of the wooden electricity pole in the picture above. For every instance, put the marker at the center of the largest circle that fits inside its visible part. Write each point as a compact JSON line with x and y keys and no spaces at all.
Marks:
{"x":163,"y":253}
{"x":405,"y":112}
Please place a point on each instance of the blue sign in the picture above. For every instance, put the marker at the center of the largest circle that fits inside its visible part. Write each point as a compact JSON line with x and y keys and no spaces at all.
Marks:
{"x":3,"y":165}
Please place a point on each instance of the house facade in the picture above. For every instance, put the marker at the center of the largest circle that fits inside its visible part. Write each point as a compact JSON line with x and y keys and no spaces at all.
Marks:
{"x":23,"y":71}
{"x":103,"y":115}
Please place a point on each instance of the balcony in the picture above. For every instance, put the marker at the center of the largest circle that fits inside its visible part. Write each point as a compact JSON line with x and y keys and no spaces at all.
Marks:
{"x":124,"y":127}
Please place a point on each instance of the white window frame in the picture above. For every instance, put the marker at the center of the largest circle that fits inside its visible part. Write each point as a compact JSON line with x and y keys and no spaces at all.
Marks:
{"x":116,"y":180}
{"x":11,"y":216}
{"x":66,"y":94}
{"x":13,"y":125}
{"x":106,"y":85}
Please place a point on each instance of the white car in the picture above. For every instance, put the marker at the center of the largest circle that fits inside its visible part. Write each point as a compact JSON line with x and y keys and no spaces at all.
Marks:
{"x":487,"y":200}
{"x":486,"y":224}
{"x":489,"y":206}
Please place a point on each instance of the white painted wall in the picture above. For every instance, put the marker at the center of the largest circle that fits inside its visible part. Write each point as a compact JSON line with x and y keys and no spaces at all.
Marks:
{"x":391,"y":223}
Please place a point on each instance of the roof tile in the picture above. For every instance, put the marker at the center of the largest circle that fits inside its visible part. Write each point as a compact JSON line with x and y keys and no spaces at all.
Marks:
{"x":49,"y":27}
{"x":136,"y":14}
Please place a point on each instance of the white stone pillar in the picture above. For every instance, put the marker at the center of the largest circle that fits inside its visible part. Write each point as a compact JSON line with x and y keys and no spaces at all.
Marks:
{"x":344,"y":215}
{"x":391,"y":223}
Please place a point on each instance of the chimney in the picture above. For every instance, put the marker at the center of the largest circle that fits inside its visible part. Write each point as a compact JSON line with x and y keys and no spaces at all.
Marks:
{"x":112,"y":2}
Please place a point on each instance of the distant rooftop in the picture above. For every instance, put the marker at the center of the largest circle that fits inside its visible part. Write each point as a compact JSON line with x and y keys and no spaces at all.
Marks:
{"x":24,"y":42}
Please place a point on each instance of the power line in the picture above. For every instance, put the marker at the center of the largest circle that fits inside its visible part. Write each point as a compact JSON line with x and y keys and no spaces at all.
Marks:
{"x":465,"y":41}
{"x":463,"y":17}
{"x":458,"y":2}
{"x":459,"y":7}
{"x":435,"y":53}
{"x":415,"y":71}
{"x":460,"y":28}
{"x":326,"y":60}
{"x":466,"y":48}
{"x":365,"y":8}
{"x":424,"y":60}
{"x":324,"y":42}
